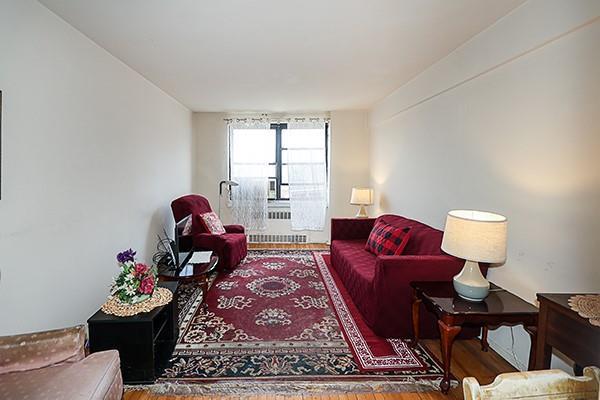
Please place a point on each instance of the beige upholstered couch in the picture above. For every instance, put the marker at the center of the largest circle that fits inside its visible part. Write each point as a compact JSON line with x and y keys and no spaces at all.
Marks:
{"x":52,"y":365}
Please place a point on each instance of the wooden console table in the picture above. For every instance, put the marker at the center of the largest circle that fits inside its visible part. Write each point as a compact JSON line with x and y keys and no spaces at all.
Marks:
{"x":499,"y":308}
{"x":563,"y":329}
{"x":145,"y":341}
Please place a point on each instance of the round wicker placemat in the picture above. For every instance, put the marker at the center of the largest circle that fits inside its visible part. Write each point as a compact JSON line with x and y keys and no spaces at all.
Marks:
{"x":114,"y":306}
{"x":588,"y":306}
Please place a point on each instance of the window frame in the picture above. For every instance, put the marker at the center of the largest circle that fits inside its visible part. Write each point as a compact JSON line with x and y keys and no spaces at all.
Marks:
{"x":278,"y":128}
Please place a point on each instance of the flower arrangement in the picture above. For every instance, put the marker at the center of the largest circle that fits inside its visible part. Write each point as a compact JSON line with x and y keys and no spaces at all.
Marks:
{"x":136,"y":282}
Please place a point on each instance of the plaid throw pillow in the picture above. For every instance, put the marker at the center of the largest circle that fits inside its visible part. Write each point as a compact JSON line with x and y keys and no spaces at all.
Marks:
{"x":387,"y":240}
{"x":212,"y":223}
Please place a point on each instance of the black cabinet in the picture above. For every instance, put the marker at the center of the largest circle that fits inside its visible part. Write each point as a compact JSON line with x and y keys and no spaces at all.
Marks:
{"x":145,"y":341}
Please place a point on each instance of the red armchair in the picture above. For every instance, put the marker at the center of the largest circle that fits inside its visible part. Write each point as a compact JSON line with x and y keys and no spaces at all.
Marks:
{"x":380,"y":285}
{"x":231,"y":247}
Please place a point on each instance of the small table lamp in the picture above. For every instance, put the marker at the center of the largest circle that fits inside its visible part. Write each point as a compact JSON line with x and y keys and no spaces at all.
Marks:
{"x":361,"y":197}
{"x":476,"y":236}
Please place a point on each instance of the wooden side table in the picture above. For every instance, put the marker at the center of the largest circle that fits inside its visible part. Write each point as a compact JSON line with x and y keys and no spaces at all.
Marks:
{"x":145,"y":341}
{"x":499,"y":308}
{"x":563,"y":329}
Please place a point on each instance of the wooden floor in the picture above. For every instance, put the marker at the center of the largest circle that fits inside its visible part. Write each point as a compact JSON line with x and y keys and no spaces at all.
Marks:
{"x":467,"y":360}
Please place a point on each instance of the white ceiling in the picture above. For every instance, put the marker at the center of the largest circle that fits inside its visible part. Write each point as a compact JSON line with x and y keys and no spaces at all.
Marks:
{"x":279,"y":55}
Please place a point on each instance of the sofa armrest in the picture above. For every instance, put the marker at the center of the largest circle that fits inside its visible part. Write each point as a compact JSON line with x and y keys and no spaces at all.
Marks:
{"x":393,"y":272}
{"x":394,"y":295}
{"x":410,"y":268}
{"x":351,"y":228}
{"x":41,"y":349}
{"x":234,"y":229}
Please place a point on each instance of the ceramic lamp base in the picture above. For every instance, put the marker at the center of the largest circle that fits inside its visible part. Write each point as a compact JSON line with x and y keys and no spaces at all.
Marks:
{"x":470,"y":284}
{"x":362,"y":213}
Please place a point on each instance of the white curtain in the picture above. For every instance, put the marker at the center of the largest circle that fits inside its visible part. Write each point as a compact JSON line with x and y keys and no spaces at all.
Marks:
{"x":249,"y":168}
{"x":306,"y":159}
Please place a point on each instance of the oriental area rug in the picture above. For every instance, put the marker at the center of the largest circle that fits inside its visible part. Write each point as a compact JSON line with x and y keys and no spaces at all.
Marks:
{"x":281,"y":323}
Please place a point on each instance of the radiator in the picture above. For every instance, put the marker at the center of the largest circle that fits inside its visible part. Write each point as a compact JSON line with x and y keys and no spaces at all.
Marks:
{"x":266,"y":238}
{"x":280,"y":215}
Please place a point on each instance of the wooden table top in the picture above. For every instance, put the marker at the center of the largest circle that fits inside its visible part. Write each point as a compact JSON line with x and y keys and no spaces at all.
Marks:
{"x":441,"y":294}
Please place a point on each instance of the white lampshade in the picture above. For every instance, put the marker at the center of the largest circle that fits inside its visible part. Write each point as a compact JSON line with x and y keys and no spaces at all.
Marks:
{"x":476,"y":236}
{"x":361,"y":196}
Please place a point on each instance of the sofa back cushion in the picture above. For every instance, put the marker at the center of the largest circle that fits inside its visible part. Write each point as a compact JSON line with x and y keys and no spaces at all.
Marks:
{"x":424,"y":240}
{"x":41,"y":349}
{"x":193,"y":204}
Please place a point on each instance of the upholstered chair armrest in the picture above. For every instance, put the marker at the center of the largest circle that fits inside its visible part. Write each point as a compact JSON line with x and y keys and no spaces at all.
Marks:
{"x":234,"y":229}
{"x":208,"y":241}
{"x":41,"y":349}
{"x":351,"y":228}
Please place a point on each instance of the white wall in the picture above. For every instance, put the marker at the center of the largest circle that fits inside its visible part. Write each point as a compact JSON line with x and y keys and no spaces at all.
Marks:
{"x":210,"y":155}
{"x":92,"y":154}
{"x":349,"y":157}
{"x":509,"y":122}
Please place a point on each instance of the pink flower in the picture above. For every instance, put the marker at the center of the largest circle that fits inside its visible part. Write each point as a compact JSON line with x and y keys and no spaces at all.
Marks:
{"x":141,"y":269}
{"x":147,"y":285}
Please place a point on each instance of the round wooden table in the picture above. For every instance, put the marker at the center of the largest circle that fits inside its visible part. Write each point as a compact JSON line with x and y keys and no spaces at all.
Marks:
{"x":190,"y":273}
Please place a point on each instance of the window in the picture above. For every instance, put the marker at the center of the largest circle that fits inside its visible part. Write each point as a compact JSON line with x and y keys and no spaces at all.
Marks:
{"x":250,"y":148}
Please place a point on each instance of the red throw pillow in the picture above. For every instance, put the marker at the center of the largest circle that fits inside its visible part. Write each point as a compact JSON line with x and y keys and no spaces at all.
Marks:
{"x":212,"y":223}
{"x":387,"y":240}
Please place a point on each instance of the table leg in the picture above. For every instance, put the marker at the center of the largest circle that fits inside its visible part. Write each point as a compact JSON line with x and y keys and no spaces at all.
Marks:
{"x":415,"y":319}
{"x":447,"y":335}
{"x":204,"y":287}
{"x":543,"y":352}
{"x":484,"y":335}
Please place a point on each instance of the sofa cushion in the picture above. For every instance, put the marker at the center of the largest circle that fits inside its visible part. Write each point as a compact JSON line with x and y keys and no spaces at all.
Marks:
{"x":96,"y":377}
{"x":424,"y":240}
{"x":29,"y":351}
{"x":356,"y":268}
{"x":386,"y":239}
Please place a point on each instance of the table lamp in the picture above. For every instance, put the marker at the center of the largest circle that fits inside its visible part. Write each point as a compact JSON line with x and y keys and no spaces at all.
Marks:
{"x":361,"y":197}
{"x":476,"y":236}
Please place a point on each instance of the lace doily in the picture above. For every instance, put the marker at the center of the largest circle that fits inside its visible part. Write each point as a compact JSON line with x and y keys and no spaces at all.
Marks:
{"x":587,"y":306}
{"x":160,"y":297}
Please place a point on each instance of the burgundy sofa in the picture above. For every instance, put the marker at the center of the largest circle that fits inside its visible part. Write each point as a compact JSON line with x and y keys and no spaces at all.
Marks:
{"x":380,"y":285}
{"x":231,"y":247}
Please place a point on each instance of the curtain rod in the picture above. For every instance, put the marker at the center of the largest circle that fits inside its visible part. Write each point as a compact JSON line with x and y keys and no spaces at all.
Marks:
{"x":296,"y":119}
